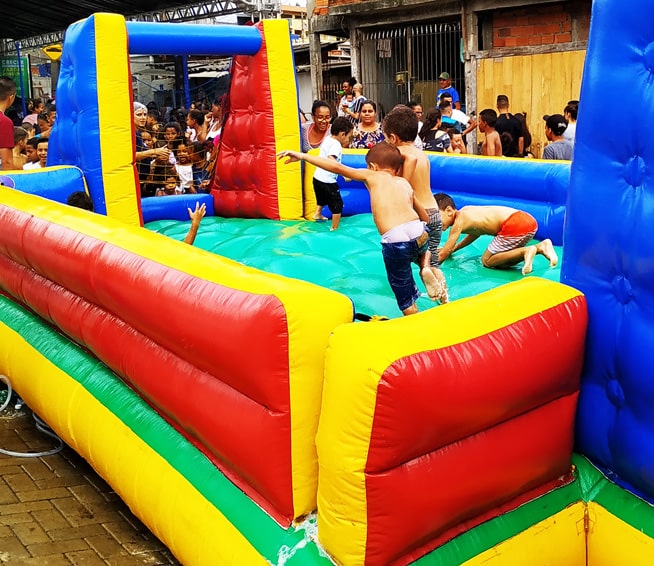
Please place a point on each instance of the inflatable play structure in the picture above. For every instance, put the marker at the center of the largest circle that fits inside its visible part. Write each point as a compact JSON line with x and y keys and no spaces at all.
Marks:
{"x":247,"y":419}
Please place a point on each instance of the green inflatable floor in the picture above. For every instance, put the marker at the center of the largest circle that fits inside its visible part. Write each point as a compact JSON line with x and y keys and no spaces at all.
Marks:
{"x":348,"y":260}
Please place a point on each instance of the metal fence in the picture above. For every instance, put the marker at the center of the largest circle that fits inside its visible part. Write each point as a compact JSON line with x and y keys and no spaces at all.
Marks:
{"x":403,"y":63}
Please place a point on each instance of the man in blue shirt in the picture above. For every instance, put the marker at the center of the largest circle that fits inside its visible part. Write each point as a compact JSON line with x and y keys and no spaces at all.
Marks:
{"x":445,"y":85}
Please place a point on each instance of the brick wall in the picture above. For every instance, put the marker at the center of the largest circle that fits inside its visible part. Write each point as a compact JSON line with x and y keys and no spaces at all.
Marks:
{"x":541,"y":25}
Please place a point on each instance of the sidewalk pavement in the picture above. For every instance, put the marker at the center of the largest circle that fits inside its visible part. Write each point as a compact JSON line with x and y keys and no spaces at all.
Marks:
{"x":56,"y":511}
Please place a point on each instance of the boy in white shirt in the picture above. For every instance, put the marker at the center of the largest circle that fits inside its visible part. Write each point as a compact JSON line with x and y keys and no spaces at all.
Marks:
{"x":324,"y":182}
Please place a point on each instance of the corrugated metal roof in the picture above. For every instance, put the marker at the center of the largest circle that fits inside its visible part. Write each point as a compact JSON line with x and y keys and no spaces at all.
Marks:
{"x":19,"y":20}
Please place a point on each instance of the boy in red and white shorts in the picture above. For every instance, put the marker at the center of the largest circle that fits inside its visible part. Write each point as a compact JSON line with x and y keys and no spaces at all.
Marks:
{"x":513,"y":230}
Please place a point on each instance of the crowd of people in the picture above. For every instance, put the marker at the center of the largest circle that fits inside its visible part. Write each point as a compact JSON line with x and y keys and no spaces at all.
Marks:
{"x":444,"y":127}
{"x":23,"y":140}
{"x":173,"y":159}
{"x":176,"y":149}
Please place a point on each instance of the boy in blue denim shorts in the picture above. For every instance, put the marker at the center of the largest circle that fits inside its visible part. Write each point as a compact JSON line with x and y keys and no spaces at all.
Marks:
{"x":399,"y":217}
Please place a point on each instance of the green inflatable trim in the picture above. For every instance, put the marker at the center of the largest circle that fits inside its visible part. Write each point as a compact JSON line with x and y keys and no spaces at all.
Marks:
{"x":595,"y":486}
{"x":275,"y":543}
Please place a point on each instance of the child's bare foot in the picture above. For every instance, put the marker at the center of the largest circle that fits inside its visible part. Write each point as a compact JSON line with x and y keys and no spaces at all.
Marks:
{"x":530,"y":254}
{"x":431,"y":283}
{"x":319,"y":217}
{"x":547,"y":249}
{"x":436,"y":287}
{"x":442,"y":286}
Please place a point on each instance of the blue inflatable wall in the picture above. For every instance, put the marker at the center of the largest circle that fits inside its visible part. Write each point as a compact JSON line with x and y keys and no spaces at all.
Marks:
{"x":609,"y":251}
{"x":536,"y":186}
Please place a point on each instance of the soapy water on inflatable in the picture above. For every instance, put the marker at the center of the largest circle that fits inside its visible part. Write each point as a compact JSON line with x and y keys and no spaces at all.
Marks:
{"x":512,"y":425}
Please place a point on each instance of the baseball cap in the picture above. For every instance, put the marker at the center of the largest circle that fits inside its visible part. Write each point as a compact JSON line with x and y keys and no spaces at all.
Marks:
{"x":444,"y":76}
{"x":556,"y":123}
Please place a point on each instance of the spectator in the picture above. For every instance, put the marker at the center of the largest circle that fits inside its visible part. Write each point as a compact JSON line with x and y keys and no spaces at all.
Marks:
{"x":143,"y":154}
{"x":202,"y":167}
{"x":526,"y":134}
{"x":445,"y":85}
{"x":347,"y":90}
{"x":417,"y":110}
{"x":44,"y":123}
{"x":457,"y":144}
{"x":447,"y":121}
{"x":353,"y":113}
{"x":492,"y":144}
{"x":194,"y":123}
{"x":42,"y":151}
{"x":34,"y":106}
{"x":433,"y":138}
{"x":169,"y":184}
{"x":32,"y":158}
{"x":160,"y":169}
{"x":173,"y":137}
{"x":80,"y":199}
{"x":184,"y":168}
{"x":7,"y":97}
{"x":30,"y":129}
{"x":570,"y":114}
{"x":153,"y":120}
{"x":313,"y":133}
{"x":368,"y":132}
{"x":214,"y":121}
{"x":559,"y":148}
{"x":506,"y":122}
{"x":51,"y":110}
{"x":18,"y":153}
{"x":467,"y":123}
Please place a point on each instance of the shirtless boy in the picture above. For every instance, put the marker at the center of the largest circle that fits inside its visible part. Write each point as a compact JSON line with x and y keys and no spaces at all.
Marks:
{"x":400,"y":127}
{"x":397,"y":215}
{"x":512,"y":229}
{"x":492,"y":144}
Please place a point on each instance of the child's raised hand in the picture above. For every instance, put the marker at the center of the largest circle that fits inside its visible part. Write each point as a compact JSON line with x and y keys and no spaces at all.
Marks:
{"x":198,"y":214}
{"x":292,"y":156}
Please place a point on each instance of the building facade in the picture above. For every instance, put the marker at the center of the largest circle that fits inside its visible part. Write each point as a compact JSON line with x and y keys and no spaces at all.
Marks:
{"x":531,"y":51}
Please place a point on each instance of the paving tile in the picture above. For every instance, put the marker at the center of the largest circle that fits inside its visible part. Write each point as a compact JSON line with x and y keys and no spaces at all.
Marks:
{"x":12,"y":549}
{"x":105,"y":545}
{"x":36,"y":468}
{"x":85,"y":558}
{"x":30,"y":533}
{"x":56,"y":510}
{"x":15,"y":518}
{"x":53,"y":560}
{"x":5,"y":531}
{"x":23,"y":507}
{"x":19,"y":482}
{"x":6,"y":494}
{"x":77,"y":532}
{"x":74,"y":512}
{"x":50,"y":519}
{"x":41,"y":494}
{"x":59,"y":547}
